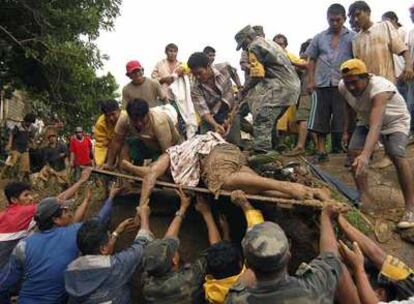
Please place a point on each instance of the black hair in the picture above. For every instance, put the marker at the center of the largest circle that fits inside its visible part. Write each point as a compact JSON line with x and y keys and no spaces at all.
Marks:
{"x":364,"y":76}
{"x":358,"y":6}
{"x":281,"y":36}
{"x":304,"y":46}
{"x":392,"y":16}
{"x":198,"y":59}
{"x":171,"y":46}
{"x":137,"y":108}
{"x":108,"y":106}
{"x":337,"y":9}
{"x":209,"y":49}
{"x":91,"y":236}
{"x":376,"y":282}
{"x":224,"y":259}
{"x":48,"y":223}
{"x":14,"y":189}
{"x":29,"y":117}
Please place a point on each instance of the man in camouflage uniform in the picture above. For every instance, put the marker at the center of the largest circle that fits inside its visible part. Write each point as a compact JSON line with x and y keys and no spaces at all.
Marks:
{"x":164,"y":281}
{"x":266,"y":250}
{"x":164,"y":285}
{"x":244,"y":57}
{"x":273,"y":85}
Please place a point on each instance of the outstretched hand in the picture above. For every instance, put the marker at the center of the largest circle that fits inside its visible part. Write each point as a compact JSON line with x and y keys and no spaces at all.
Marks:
{"x":408,"y":74}
{"x":360,"y":164}
{"x":115,"y":189}
{"x":333,"y":211}
{"x":86,"y":173}
{"x":238,"y":197}
{"x":219,"y":129}
{"x":89,"y":193}
{"x":185,"y":200}
{"x":126,"y":225}
{"x":354,"y":257}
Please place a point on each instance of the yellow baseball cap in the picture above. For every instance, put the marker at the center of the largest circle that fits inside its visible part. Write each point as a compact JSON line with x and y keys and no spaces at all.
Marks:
{"x":353,"y":67}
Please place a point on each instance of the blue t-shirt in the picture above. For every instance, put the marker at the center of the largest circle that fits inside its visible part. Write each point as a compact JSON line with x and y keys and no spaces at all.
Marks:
{"x":40,"y":260}
{"x":44,"y":257}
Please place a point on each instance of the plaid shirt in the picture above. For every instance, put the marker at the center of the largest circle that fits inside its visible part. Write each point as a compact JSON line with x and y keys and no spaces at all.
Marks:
{"x":375,"y":47}
{"x":207,"y":100}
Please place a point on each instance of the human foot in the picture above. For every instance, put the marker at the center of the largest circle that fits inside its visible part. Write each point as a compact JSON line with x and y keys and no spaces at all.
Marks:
{"x":126,"y":165}
{"x":322,"y":194}
{"x":296,"y":152}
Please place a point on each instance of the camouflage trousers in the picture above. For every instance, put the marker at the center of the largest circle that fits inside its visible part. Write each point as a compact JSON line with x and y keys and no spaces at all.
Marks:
{"x":264,"y":126}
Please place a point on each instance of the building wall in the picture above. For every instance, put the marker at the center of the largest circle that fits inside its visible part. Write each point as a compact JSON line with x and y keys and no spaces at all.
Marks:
{"x":16,"y":107}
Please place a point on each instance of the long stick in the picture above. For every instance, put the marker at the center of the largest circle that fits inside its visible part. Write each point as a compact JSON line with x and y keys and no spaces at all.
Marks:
{"x":363,"y":216}
{"x":282,"y":202}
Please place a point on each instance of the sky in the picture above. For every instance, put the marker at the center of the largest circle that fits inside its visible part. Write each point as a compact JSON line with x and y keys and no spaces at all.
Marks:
{"x":144,"y":28}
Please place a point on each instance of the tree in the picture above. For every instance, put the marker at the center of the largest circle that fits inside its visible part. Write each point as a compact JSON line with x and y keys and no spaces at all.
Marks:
{"x":47,"y":48}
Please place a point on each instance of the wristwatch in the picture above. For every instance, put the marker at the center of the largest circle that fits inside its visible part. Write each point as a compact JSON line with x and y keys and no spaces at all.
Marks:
{"x":115,"y":235}
{"x":180,"y":214}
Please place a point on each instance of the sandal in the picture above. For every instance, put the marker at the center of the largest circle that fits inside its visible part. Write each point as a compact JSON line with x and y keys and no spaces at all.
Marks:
{"x":407,"y":221}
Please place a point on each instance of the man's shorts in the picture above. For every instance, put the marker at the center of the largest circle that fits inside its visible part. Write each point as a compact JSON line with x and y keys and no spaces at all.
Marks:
{"x":399,"y":274}
{"x":303,"y":111}
{"x":139,"y":151}
{"x":327,"y":111}
{"x":221,"y":162}
{"x":22,"y":159}
{"x":395,"y":143}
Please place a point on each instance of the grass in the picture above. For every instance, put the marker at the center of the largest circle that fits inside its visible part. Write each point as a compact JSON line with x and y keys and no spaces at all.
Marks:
{"x":356,"y":220}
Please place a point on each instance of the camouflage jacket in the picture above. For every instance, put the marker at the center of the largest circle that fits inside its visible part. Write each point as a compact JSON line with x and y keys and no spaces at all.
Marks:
{"x":280,"y":85}
{"x":314,"y":283}
{"x":184,"y":286}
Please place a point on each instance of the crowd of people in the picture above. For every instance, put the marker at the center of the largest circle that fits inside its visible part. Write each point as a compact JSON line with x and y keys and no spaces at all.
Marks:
{"x":189,"y":121}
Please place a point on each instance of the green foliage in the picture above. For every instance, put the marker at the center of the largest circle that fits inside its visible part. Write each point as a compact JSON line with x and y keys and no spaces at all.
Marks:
{"x":47,"y":48}
{"x":356,"y":220}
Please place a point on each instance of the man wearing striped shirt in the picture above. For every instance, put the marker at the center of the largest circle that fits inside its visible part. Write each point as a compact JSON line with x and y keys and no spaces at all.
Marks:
{"x":213,"y":97}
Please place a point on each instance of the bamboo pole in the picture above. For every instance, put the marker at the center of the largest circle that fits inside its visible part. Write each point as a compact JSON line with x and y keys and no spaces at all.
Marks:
{"x":363,"y":216}
{"x":281,"y":202}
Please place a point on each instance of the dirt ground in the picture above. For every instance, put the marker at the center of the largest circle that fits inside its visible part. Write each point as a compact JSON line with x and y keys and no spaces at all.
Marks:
{"x":388,"y":207}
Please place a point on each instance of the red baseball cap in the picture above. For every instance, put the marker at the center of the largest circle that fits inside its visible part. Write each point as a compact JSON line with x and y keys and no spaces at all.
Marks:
{"x":132,"y":66}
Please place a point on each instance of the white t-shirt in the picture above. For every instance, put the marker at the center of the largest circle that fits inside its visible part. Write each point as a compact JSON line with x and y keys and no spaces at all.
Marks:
{"x":408,"y":301}
{"x":396,"y":118}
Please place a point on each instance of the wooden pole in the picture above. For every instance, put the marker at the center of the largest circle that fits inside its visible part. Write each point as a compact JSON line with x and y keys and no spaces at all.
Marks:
{"x":281,"y":202}
{"x":363,"y":216}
